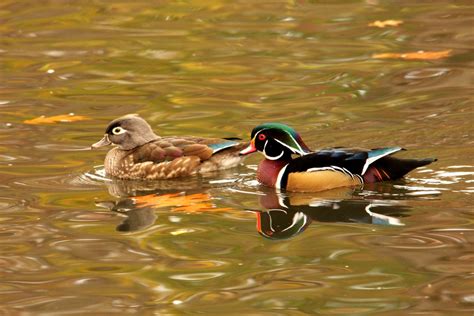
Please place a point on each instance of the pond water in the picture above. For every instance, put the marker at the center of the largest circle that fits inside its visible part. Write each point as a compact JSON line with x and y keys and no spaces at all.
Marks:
{"x":75,"y":242}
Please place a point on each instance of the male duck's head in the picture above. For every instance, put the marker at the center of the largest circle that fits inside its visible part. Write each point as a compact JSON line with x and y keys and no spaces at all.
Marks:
{"x":127,"y":132}
{"x":276,"y":141}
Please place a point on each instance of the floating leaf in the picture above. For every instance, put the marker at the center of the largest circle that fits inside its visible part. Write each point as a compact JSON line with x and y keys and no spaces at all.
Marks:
{"x":419,"y":55}
{"x":56,"y":119}
{"x":385,"y":23}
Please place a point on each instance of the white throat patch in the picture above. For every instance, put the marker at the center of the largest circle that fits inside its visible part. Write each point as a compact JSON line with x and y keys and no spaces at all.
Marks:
{"x":270,"y":157}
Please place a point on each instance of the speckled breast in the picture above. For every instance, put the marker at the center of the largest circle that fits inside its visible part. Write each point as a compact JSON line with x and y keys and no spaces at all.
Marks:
{"x":113,"y":163}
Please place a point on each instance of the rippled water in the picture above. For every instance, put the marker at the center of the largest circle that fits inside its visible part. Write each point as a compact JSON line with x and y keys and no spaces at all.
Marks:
{"x":73,"y":241}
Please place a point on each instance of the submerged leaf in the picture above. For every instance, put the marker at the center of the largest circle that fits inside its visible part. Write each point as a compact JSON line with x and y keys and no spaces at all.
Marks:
{"x":419,"y":55}
{"x":55,"y":119}
{"x":382,"y":24}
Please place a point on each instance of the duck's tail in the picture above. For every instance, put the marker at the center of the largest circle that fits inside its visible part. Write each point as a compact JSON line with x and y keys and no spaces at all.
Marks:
{"x":392,"y":168}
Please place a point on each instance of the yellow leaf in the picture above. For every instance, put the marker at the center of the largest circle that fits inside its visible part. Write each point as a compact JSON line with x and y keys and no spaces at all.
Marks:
{"x":420,"y":55}
{"x":55,"y":119}
{"x":385,"y":23}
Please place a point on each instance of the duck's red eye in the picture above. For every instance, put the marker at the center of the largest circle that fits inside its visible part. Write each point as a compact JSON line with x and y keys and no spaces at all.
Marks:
{"x":262,"y":136}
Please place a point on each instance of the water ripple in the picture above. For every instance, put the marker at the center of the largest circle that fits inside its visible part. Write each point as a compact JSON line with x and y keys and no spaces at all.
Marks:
{"x":101,"y":250}
{"x":22,"y":264}
{"x":196,"y":276}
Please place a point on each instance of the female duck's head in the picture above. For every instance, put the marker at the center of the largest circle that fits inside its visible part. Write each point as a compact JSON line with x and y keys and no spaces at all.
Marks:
{"x":127,"y":132}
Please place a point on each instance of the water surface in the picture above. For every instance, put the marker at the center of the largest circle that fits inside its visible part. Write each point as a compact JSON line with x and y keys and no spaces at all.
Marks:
{"x":74,"y":242}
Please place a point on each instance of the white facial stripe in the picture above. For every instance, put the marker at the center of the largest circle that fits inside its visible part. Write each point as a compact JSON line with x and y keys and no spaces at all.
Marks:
{"x":293,"y":150}
{"x":274,"y":158}
{"x":301,"y":151}
{"x":298,"y":150}
{"x":270,"y":157}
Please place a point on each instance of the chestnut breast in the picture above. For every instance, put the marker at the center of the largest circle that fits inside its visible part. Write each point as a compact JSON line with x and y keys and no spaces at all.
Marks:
{"x":268,"y":170}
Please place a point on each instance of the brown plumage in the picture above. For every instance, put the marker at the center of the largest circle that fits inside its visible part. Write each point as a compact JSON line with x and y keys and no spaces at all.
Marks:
{"x":142,"y":155}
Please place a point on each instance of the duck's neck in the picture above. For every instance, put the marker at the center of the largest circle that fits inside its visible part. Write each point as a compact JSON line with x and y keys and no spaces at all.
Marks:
{"x":268,"y":171}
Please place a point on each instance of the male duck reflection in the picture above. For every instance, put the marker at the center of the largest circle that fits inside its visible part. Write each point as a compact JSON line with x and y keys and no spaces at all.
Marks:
{"x":321,"y":170}
{"x":286,"y":216}
{"x":140,"y":154}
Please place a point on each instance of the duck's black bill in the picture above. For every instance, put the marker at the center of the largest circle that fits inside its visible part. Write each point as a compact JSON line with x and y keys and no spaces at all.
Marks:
{"x":101,"y":143}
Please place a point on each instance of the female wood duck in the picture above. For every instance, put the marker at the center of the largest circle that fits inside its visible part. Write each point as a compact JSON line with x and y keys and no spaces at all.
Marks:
{"x":321,"y":170}
{"x":142,"y":155}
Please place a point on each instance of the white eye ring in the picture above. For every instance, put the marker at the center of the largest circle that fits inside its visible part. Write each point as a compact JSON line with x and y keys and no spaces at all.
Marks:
{"x":118,"y":130}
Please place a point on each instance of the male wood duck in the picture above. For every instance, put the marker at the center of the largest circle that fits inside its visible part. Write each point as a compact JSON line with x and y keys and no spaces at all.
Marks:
{"x":321,"y":170}
{"x":140,"y":154}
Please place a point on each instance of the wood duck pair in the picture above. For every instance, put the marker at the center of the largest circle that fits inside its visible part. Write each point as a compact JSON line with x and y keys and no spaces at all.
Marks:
{"x":289,"y":164}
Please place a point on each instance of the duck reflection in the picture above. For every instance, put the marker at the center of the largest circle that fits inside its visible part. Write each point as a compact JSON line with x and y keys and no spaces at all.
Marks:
{"x":128,"y":188}
{"x":279,"y":215}
{"x":136,"y":217}
{"x":140,"y":210}
{"x":288,"y":215}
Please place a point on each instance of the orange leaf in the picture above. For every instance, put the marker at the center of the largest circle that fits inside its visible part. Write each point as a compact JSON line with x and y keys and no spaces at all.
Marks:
{"x":385,"y":23}
{"x":419,"y":55}
{"x":199,"y":202}
{"x":55,"y":119}
{"x":175,"y":199}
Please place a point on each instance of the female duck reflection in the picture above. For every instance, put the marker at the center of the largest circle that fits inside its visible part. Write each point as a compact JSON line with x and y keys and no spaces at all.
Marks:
{"x":138,"y":200}
{"x":282,"y":216}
